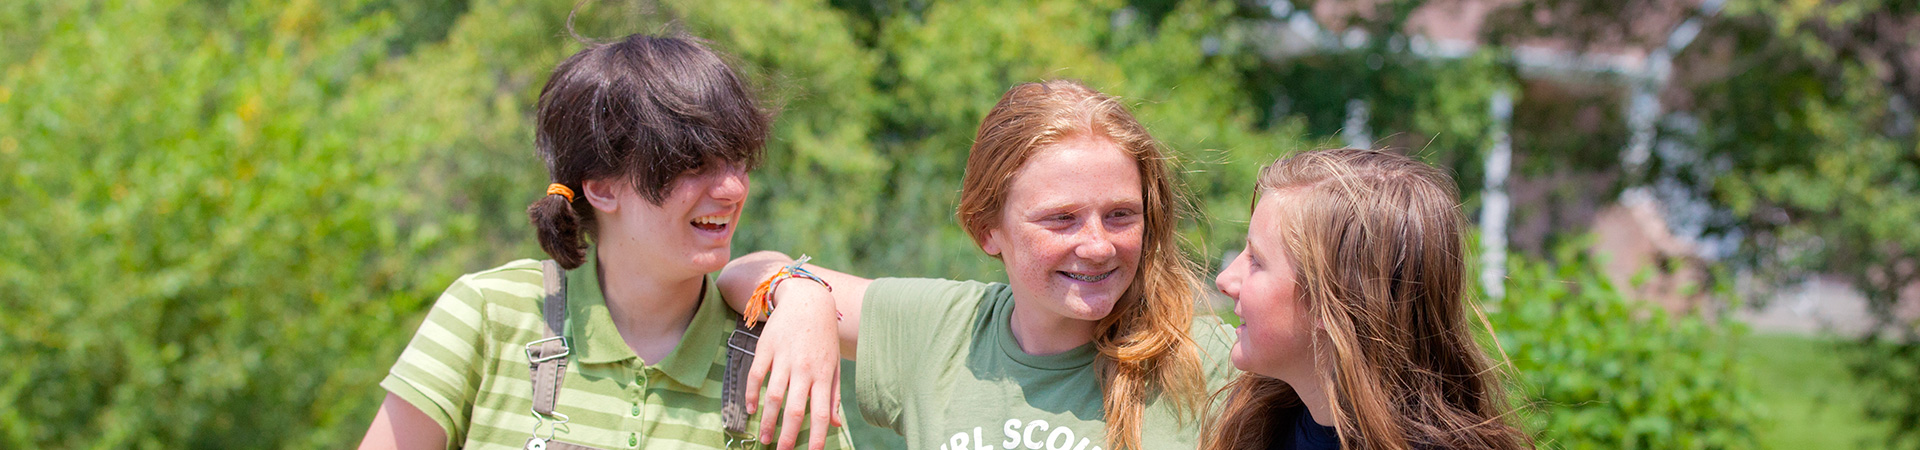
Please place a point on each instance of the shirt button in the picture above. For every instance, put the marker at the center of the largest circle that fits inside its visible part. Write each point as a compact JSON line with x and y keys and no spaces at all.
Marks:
{"x":633,"y":439}
{"x":636,"y":410}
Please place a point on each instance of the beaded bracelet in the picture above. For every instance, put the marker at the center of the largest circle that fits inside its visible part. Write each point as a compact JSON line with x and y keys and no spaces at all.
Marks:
{"x":761,"y":304}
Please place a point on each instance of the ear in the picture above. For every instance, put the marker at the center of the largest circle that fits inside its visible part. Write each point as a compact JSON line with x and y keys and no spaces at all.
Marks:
{"x":604,"y":194}
{"x":991,"y":244}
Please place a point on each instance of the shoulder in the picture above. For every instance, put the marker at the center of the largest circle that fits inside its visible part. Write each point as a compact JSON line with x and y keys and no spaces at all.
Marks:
{"x":519,"y":278}
{"x":443,"y":369}
{"x":504,"y":297}
{"x":935,"y":288}
{"x":1215,"y":341}
{"x":1210,"y":332}
{"x":517,"y":285}
{"x":929,"y":298}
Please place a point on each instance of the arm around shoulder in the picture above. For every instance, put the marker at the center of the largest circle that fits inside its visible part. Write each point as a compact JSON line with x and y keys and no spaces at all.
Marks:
{"x":742,"y":275}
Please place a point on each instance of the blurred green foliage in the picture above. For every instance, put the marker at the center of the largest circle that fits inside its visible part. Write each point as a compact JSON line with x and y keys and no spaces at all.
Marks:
{"x":226,"y":217}
{"x":1793,"y":121}
{"x":1597,"y":369}
{"x":1823,"y":168}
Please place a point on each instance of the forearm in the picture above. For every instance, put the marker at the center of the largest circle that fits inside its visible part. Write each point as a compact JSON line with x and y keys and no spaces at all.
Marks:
{"x":744,"y":274}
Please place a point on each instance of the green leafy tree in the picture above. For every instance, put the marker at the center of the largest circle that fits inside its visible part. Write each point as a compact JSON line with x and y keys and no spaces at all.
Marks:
{"x":1823,"y":167}
{"x":198,"y":209}
{"x":1798,"y":127}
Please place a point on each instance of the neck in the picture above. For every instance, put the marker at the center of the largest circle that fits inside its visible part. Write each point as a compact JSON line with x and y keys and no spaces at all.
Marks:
{"x":650,"y":309}
{"x":1313,"y":395}
{"x":1041,"y":335}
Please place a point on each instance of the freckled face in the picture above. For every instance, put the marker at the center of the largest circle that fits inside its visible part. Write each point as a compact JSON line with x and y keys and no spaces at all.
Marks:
{"x":1071,"y":229}
{"x":1275,"y":335}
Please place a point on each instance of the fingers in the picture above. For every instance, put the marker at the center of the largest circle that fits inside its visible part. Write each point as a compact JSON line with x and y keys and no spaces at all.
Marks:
{"x":791,"y":414}
{"x":822,"y":413}
{"x":777,"y":393}
{"x":839,"y":417}
{"x":755,"y":374}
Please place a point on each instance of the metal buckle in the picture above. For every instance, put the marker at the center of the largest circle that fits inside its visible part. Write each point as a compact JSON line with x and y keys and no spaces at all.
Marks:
{"x":533,"y":347}
{"x":737,"y":331}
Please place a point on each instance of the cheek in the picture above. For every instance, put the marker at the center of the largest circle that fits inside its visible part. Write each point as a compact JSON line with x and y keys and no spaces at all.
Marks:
{"x":1276,"y":316}
{"x":1020,"y":252}
{"x":1129,"y":246}
{"x":1131,"y":241}
{"x":1041,"y":247}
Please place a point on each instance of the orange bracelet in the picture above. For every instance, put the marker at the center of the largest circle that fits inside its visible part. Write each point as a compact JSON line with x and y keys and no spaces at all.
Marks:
{"x":760,"y":305}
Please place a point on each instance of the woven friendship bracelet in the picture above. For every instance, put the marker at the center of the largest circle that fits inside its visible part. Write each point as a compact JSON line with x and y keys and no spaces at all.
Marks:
{"x":760,"y":306}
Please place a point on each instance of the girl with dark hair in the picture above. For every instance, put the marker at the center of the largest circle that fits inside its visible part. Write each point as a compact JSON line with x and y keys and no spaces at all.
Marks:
{"x":1352,"y":290}
{"x":1092,"y":343}
{"x":647,"y":141}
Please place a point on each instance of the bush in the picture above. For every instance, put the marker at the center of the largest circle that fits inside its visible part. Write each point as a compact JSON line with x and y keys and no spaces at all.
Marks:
{"x":216,"y":236}
{"x":1598,"y":370}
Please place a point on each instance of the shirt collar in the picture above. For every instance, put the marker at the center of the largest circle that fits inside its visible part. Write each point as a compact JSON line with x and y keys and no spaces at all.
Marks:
{"x":597,"y":341}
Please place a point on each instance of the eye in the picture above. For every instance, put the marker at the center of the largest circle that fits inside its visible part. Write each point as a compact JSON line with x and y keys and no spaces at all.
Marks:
{"x":1123,"y":217}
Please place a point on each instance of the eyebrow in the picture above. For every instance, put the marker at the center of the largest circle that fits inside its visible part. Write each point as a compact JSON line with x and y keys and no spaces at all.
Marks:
{"x":1056,"y":208}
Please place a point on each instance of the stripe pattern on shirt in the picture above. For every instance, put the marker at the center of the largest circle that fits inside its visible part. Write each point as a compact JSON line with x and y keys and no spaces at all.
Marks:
{"x":467,"y":368}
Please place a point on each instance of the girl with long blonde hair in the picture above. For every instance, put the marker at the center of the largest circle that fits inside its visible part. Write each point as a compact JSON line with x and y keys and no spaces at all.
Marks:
{"x":1352,"y":290}
{"x":1091,"y":344}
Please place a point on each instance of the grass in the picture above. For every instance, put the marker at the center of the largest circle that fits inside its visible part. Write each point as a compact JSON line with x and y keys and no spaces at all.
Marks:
{"x":1810,"y":399}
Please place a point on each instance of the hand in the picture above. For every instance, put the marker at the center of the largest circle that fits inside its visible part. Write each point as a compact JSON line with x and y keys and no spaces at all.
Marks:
{"x":799,"y":358}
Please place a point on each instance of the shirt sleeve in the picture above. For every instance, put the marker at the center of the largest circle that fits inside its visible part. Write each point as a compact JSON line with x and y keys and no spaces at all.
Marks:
{"x":440,"y":370}
{"x":908,"y":326}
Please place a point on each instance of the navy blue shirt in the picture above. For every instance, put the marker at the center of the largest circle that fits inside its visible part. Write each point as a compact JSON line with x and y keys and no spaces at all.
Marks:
{"x":1296,"y":431}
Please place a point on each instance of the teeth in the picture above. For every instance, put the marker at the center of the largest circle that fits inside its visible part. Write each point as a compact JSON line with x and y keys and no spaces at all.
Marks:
{"x":1088,"y":278}
{"x":711,"y":220}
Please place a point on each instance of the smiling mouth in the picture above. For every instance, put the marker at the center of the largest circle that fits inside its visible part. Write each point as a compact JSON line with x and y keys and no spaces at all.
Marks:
{"x":715,"y":223}
{"x":1090,"y":278}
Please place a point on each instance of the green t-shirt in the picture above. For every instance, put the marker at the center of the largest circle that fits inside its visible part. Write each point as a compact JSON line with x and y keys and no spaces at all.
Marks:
{"x":938,"y":364}
{"x":467,"y":369}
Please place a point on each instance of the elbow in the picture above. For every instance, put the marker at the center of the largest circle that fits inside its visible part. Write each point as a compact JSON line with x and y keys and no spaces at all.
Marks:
{"x":738,"y":270}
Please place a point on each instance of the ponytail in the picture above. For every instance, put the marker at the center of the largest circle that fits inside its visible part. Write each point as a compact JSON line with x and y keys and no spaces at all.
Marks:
{"x":558,"y":226}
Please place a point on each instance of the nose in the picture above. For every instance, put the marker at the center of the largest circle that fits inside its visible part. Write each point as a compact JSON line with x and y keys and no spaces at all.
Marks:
{"x":731,"y":185}
{"x":1229,"y":279}
{"x":1096,"y":242}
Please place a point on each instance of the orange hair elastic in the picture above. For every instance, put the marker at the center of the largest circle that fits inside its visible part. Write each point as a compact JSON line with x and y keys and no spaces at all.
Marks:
{"x":561,"y":190}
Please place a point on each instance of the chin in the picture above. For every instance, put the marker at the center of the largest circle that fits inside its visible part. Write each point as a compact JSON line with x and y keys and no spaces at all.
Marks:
{"x":1238,"y":356}
{"x":710,"y":261}
{"x":1243,"y":359}
{"x":1092,"y":309}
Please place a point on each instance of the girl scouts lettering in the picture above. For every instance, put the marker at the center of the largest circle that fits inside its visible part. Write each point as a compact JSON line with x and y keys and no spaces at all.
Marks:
{"x":1032,"y":435}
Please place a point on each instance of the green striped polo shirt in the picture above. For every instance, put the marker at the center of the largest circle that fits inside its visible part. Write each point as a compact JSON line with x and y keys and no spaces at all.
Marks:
{"x":467,"y":368}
